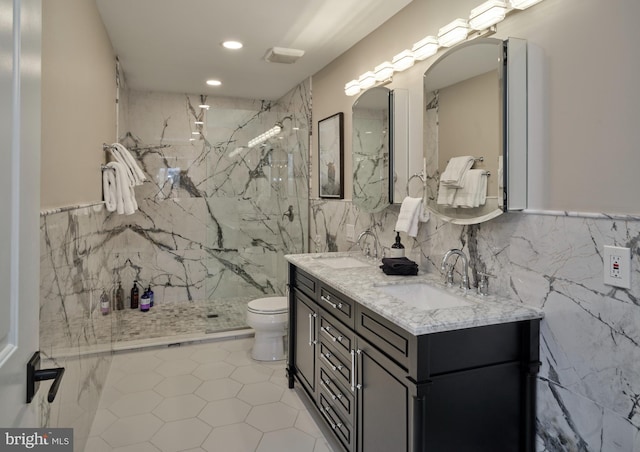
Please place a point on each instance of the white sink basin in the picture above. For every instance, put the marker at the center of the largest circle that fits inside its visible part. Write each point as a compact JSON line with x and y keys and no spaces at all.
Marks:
{"x":342,"y":262}
{"x":423,"y":295}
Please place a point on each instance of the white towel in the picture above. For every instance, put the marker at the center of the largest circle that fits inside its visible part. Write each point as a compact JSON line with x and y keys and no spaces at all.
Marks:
{"x":125,"y":196}
{"x":133,"y":171}
{"x":446,"y":194}
{"x":474,"y":190}
{"x":409,"y":216}
{"x":109,"y":189}
{"x":455,"y":170}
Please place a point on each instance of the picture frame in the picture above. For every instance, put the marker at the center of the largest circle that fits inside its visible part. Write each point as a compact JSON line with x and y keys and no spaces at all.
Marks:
{"x":331,"y":156}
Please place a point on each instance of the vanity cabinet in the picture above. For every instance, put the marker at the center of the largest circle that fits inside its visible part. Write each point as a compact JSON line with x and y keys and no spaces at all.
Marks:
{"x":380,"y":388}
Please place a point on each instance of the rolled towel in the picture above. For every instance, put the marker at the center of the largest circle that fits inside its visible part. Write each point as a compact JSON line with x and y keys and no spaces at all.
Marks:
{"x":109,"y":189}
{"x":409,"y":216}
{"x":457,"y":166}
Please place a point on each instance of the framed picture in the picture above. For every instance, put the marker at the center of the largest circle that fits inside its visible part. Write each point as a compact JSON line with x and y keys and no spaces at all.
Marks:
{"x":330,"y":156}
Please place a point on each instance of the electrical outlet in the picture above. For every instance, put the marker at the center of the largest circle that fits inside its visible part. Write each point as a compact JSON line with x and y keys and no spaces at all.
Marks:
{"x":617,"y":266}
{"x":351,"y":233}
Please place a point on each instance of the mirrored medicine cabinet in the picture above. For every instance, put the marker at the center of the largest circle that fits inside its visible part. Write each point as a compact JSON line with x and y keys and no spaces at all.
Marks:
{"x":475,"y":104}
{"x":379,"y":148}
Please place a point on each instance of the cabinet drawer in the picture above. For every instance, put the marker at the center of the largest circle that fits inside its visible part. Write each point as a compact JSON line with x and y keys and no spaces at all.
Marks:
{"x":342,"y":429}
{"x":335,"y":364}
{"x":337,"y":394}
{"x":335,"y":333}
{"x":338,"y":305}
{"x":389,"y":338}
{"x":303,"y":282}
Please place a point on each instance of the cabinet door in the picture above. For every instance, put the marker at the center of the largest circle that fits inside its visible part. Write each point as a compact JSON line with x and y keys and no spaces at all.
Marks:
{"x":305,"y":340}
{"x":384,"y":400}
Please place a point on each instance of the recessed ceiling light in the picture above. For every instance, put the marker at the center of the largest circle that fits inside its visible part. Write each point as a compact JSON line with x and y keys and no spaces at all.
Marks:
{"x":214,"y":82}
{"x":232,"y":45}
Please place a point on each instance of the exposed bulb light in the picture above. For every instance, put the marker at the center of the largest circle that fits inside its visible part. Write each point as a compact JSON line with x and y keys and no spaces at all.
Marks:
{"x":453,"y":33}
{"x":275,"y":130}
{"x":487,"y":14}
{"x":402,"y":61}
{"x":425,"y":48}
{"x":232,"y":45}
{"x":383,"y":71}
{"x":204,"y":106}
{"x":367,"y":80}
{"x":214,"y":82}
{"x":352,"y":88}
{"x":523,"y":4}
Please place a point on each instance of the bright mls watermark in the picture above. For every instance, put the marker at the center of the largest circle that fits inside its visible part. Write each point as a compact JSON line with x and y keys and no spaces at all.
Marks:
{"x":36,"y":439}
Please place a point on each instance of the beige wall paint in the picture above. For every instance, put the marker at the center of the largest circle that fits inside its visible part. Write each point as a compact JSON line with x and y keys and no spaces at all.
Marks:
{"x":584,"y":104}
{"x":78,"y":102}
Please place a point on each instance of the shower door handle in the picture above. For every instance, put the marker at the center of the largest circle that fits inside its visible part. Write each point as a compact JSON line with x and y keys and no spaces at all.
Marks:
{"x":35,"y":375}
{"x":288,"y":213}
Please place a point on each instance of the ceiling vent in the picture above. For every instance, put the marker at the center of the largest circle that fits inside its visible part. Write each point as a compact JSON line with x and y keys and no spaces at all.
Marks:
{"x":282,"y":55}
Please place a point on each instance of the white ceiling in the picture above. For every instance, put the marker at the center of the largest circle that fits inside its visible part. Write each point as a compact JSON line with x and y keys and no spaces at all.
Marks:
{"x":174,"y":45}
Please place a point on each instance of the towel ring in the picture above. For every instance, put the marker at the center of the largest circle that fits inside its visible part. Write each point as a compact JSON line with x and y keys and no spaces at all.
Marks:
{"x":420,"y":176}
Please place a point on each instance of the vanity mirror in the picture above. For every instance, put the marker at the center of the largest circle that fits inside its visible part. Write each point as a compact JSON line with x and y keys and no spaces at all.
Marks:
{"x":475,"y":116}
{"x":371,"y":149}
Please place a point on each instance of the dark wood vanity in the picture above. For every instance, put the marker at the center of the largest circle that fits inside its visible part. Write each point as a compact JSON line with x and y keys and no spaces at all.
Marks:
{"x":379,"y":388}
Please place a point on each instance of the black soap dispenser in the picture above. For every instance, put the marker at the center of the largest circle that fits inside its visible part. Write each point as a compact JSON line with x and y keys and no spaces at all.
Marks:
{"x":135,"y":295}
{"x":397,"y":249}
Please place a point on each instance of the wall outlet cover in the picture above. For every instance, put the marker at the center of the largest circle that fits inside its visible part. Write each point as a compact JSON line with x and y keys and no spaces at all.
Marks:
{"x":617,"y":266}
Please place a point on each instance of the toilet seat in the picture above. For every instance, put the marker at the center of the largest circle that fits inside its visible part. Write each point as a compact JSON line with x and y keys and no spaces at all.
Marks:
{"x":268,"y":305}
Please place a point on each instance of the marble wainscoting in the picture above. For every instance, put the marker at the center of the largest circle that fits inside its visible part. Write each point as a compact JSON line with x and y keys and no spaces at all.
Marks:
{"x":74,"y":271}
{"x":589,"y":382}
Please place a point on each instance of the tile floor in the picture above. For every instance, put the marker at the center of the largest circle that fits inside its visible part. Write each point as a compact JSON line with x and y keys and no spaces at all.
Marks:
{"x":201,"y":397}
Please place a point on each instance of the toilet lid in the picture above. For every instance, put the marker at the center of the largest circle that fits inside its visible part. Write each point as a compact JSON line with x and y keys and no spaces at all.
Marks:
{"x":269,"y":305}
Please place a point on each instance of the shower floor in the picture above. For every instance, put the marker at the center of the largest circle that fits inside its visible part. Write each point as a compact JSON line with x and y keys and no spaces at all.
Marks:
{"x":180,"y":319}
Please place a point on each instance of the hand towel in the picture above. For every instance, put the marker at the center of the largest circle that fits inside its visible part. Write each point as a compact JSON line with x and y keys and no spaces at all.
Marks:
{"x":409,"y":216}
{"x":399,"y":266}
{"x":474,"y":190}
{"x":133,"y":171}
{"x":125,"y":197}
{"x":455,"y":170}
{"x":109,"y":189}
{"x":446,"y":194}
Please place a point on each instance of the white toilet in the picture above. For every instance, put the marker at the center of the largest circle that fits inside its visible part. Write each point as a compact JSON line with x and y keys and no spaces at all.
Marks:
{"x":268,"y":317}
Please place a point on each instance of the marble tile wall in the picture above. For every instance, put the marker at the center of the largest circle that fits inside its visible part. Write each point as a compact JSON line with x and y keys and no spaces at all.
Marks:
{"x":589,"y":383}
{"x":210,"y":226}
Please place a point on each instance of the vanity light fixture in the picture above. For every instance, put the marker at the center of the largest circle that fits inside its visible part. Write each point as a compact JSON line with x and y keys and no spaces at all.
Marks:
{"x":425,"y":48}
{"x":352,"y":88}
{"x":487,"y":14}
{"x":214,"y":82}
{"x":453,"y":33}
{"x":383,"y":71}
{"x":367,"y":80}
{"x":523,"y":4}
{"x":272,"y":132}
{"x":402,"y":61}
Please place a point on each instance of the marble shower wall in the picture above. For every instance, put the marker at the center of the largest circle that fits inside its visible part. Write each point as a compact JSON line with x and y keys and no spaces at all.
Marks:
{"x":211,"y":223}
{"x":74,"y":271}
{"x":589,"y":383}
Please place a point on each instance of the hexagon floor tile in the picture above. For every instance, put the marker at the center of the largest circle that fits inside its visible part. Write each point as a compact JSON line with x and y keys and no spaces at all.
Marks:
{"x":204,"y":397}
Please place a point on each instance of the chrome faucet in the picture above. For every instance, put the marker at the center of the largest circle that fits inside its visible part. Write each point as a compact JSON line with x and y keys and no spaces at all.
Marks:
{"x":367,"y":250}
{"x":449,"y":273}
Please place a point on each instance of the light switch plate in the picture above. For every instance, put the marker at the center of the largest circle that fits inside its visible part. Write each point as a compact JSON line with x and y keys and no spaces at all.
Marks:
{"x":617,"y":266}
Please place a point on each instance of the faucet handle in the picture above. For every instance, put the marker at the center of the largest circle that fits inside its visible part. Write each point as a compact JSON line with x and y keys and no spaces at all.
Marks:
{"x":483,"y":283}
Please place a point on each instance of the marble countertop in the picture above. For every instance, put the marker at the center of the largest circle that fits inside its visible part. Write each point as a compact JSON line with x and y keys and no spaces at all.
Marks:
{"x":363,"y":284}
